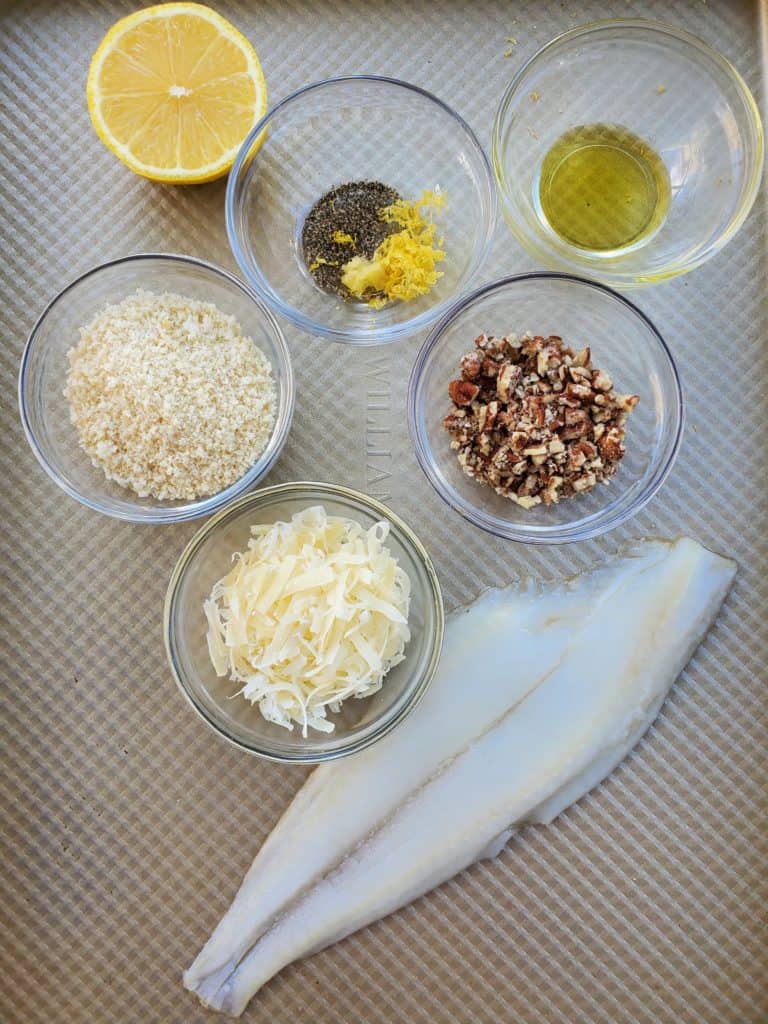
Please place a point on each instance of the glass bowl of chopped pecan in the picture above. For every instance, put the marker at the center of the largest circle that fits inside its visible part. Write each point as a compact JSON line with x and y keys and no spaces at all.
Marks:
{"x":360,"y":207}
{"x":155,"y":388}
{"x":545,"y":408}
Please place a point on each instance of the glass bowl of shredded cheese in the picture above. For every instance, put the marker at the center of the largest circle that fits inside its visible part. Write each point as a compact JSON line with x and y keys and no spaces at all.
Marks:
{"x":156,"y":388}
{"x":329,"y":149}
{"x":304,"y":621}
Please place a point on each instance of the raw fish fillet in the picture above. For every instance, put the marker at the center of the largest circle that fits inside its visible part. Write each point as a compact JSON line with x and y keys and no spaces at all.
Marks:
{"x":539,"y":694}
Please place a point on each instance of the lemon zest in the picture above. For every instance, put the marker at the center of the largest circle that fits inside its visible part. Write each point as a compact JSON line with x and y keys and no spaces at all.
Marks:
{"x":342,"y":238}
{"x":403,"y":265}
{"x":320,"y":262}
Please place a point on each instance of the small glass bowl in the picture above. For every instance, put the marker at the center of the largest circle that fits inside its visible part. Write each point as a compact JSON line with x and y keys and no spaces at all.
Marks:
{"x":624,"y":343}
{"x":44,"y":364}
{"x":208,"y":557}
{"x":665,"y":86}
{"x":353,"y":129}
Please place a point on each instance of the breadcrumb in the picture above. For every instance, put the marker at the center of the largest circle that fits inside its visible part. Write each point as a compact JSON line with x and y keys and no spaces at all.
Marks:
{"x":168,"y":397}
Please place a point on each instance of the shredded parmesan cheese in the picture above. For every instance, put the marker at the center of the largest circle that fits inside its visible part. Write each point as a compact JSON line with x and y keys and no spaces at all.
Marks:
{"x":403,"y":265}
{"x":313,"y":612}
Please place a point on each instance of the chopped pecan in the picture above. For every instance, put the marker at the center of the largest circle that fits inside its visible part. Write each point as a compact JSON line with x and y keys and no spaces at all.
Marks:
{"x":549,"y":493}
{"x":579,"y":374}
{"x":626,"y":402}
{"x":497,"y":348}
{"x":486,"y":417}
{"x":585,"y":448}
{"x":455,"y":421}
{"x":550,"y":356}
{"x":507,"y":380}
{"x":579,"y":392}
{"x":610,"y":444}
{"x":507,"y":418}
{"x":529,"y":486}
{"x":582,"y":358}
{"x":584,"y":483}
{"x":491,"y":412}
{"x":577,"y":424}
{"x":471,"y":365}
{"x":534,"y":410}
{"x":463,"y":392}
{"x":579,"y":453}
{"x":535,"y":420}
{"x":601,"y":380}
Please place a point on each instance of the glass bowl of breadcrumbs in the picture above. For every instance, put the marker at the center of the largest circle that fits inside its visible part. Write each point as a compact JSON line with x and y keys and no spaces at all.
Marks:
{"x":156,"y":388}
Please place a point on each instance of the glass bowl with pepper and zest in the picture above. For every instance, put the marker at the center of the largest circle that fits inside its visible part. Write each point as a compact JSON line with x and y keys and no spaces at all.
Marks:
{"x":359,"y":208}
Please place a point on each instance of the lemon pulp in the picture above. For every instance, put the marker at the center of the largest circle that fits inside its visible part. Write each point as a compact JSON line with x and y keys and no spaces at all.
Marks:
{"x":173,"y":90}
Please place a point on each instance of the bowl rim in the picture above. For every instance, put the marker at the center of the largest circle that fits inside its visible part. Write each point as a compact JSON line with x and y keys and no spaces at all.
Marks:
{"x":320,"y":489}
{"x":359,"y":336}
{"x":286,"y":398}
{"x":632,"y":279}
{"x":562,"y":533}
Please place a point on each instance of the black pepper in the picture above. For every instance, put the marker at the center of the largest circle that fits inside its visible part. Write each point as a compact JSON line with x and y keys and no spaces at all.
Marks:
{"x":352,"y":212}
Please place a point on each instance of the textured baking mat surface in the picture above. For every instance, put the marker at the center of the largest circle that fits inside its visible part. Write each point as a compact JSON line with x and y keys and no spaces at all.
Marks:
{"x":127,"y":825}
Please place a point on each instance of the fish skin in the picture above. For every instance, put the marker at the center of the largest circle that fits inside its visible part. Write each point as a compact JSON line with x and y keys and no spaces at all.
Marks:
{"x":540,"y":762}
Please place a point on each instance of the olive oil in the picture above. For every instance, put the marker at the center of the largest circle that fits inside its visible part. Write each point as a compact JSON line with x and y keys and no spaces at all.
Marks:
{"x":603,"y":188}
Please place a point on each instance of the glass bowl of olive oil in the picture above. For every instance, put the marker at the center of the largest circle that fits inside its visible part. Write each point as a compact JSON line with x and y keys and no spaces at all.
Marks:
{"x":627,"y":150}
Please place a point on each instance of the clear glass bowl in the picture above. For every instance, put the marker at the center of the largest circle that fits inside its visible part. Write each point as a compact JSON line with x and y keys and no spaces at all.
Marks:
{"x":45,"y":410}
{"x":669,"y":88}
{"x":351,"y":129}
{"x":624,"y":343}
{"x":208,"y":557}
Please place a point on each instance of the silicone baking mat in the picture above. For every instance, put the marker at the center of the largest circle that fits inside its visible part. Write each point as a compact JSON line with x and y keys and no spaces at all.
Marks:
{"x":127,"y":825}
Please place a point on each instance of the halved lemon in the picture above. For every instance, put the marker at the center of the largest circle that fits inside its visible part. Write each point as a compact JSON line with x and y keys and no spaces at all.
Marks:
{"x":173,"y":91}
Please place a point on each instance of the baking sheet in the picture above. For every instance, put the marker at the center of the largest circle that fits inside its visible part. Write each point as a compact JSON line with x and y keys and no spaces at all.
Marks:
{"x":127,"y":825}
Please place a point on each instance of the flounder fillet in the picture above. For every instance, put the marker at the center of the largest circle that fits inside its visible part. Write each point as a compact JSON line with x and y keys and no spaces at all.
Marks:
{"x":539,"y":694}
